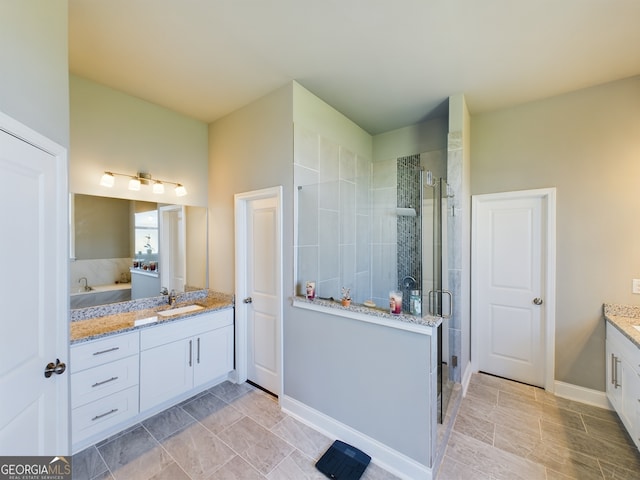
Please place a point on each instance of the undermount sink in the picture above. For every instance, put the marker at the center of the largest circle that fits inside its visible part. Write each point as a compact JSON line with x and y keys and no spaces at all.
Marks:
{"x":145,"y":321}
{"x":180,"y":310}
{"x":637,"y":327}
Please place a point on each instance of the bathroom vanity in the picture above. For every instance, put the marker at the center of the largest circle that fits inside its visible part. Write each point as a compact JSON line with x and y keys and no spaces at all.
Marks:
{"x":623,"y":365}
{"x":129,"y":365}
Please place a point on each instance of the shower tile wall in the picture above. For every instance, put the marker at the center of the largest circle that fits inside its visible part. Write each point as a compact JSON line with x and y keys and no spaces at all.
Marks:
{"x":384,"y":274}
{"x":104,"y":271}
{"x":409,"y":228}
{"x":333,"y":238}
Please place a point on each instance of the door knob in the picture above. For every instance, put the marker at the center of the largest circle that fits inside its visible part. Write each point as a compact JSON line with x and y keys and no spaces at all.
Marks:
{"x":537,"y":301}
{"x":248,"y":300}
{"x":52,"y":368}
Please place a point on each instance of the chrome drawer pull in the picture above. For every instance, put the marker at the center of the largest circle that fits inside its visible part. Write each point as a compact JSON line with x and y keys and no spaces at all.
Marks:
{"x":97,"y":384}
{"x":107,"y":351}
{"x":113,"y":410}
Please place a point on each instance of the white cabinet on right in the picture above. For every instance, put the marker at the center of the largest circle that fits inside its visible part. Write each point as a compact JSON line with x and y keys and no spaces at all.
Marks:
{"x":180,"y":356}
{"x":623,"y":379}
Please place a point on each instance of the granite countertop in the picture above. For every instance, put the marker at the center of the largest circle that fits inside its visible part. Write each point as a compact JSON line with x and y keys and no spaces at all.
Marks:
{"x":624,"y":317}
{"x":110,"y":321}
{"x":381,"y":313}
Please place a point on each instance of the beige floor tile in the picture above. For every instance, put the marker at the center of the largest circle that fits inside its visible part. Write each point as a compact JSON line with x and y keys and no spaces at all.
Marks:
{"x":306,"y":439}
{"x":260,"y":406}
{"x":615,"y":472}
{"x":237,"y":469}
{"x":198,"y":451}
{"x":212,"y":412}
{"x":553,"y":456}
{"x":491,"y":461}
{"x":607,"y":430}
{"x":582,"y":442}
{"x":136,"y":454}
{"x":454,"y":470}
{"x":260,"y":447}
{"x":296,"y":466}
{"x":506,"y":385}
{"x":475,"y":427}
{"x":482,"y":393}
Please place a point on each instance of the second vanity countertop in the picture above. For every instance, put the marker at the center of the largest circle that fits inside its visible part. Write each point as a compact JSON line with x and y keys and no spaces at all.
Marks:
{"x":624,"y":317}
{"x":86,"y":329}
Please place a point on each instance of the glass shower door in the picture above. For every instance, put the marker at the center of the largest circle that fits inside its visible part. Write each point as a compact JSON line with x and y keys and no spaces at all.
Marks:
{"x":436,"y":277}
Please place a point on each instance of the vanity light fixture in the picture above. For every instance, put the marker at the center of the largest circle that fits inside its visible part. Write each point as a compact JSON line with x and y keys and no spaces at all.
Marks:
{"x":158,"y":187}
{"x":139,"y":179}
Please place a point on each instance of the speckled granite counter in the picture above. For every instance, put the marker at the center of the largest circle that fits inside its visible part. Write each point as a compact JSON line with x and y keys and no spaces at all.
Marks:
{"x":377,"y":315}
{"x":624,"y":317}
{"x":96,"y":322}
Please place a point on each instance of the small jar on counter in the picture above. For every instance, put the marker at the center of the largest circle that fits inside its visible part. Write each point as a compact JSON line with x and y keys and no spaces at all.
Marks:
{"x":415,"y":303}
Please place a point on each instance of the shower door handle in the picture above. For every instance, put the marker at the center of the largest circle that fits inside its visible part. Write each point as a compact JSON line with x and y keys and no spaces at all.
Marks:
{"x":430,"y":306}
{"x":447,"y":292}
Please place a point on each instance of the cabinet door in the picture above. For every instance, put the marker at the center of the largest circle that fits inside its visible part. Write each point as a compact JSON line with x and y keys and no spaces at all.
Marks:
{"x":165,"y":372}
{"x":629,"y":397}
{"x":213,"y":354}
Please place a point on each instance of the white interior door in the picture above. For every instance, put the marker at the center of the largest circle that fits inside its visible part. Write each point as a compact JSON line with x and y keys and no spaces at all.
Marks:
{"x":34,"y":416}
{"x":173,"y":270}
{"x":259,"y":291}
{"x":509,"y":289}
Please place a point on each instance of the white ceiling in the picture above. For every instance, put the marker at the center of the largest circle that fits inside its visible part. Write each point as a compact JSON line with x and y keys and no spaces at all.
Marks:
{"x":383,"y":63}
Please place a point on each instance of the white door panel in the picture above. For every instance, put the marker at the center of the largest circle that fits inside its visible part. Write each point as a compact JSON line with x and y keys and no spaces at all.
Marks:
{"x":262,"y":285}
{"x":33,"y":409}
{"x":259,"y":287}
{"x":510,"y":236}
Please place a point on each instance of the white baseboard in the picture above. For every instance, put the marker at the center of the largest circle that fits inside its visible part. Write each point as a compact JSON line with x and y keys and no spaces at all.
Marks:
{"x":581,"y":394}
{"x":383,"y":456}
{"x":466,"y":378}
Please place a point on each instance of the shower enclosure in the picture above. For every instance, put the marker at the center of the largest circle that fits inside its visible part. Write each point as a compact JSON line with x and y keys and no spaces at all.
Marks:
{"x":376,"y":228}
{"x":422,"y":208}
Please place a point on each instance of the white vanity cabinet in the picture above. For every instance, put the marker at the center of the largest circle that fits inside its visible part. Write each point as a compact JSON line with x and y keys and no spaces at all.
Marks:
{"x":104,"y":384}
{"x":623,"y":379}
{"x":180,"y":356}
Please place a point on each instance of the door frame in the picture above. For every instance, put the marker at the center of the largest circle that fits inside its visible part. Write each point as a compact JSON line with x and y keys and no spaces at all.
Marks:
{"x":241,"y":201}
{"x":548,"y":196}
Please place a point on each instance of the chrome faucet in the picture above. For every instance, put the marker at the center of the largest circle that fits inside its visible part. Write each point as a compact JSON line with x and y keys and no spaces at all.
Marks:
{"x":86,"y":283}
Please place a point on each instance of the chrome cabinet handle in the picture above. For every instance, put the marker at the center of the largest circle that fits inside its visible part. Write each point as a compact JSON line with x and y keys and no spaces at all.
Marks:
{"x":113,"y":410}
{"x":198,"y":351}
{"x":97,"y":384}
{"x":248,"y":300}
{"x":106,"y":351}
{"x":537,"y":301}
{"x":190,"y":352}
{"x":613,"y":369}
{"x":616,"y":369}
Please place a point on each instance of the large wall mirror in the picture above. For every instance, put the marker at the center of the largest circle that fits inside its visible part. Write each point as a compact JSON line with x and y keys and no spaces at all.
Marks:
{"x":128,"y":249}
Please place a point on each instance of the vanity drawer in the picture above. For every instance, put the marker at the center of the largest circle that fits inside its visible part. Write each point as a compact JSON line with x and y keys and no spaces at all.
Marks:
{"x":164,"y":333}
{"x":97,"y":352}
{"x":94,"y":383}
{"x":95,"y":417}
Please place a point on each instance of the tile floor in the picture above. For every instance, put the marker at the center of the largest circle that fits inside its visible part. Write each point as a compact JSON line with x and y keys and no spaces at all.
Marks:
{"x":507,"y":430}
{"x":504,"y":430}
{"x":228,"y":432}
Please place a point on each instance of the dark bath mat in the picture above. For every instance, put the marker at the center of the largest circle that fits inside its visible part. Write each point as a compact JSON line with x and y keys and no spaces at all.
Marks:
{"x":343,"y":462}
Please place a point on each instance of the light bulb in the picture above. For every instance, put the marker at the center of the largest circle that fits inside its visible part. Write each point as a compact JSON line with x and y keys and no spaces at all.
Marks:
{"x":134,"y":184}
{"x":158,"y":187}
{"x":180,"y":191}
{"x":107,"y":180}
